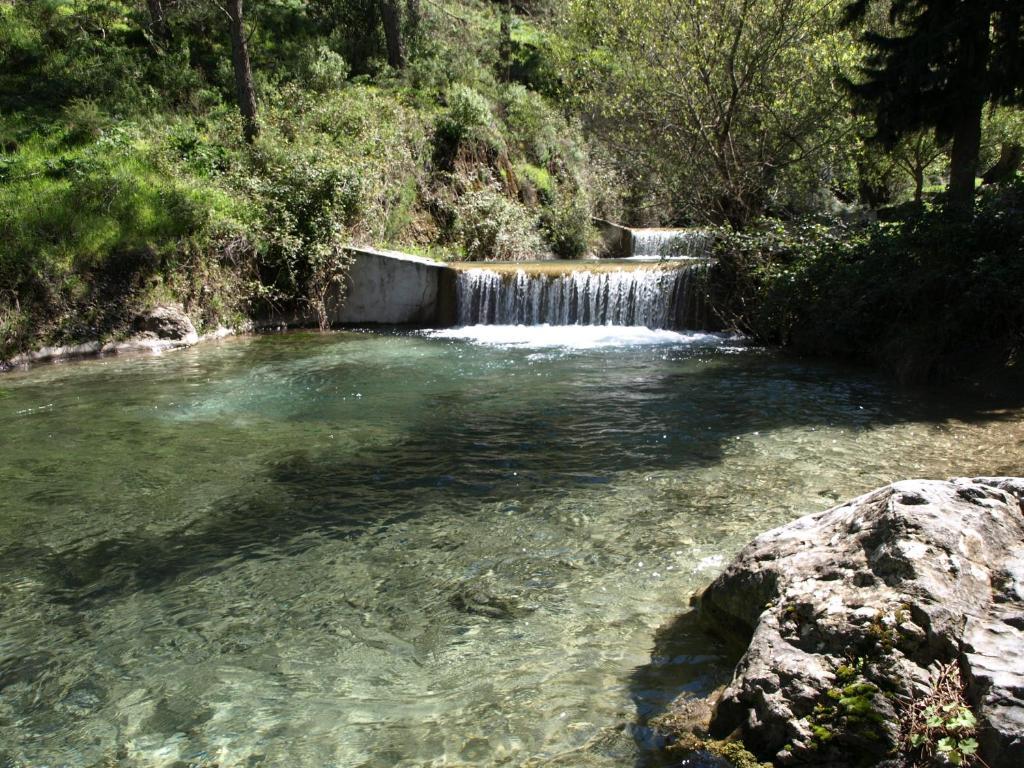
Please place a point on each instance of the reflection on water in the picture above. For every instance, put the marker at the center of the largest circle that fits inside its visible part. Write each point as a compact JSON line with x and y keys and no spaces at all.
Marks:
{"x":379,"y":550}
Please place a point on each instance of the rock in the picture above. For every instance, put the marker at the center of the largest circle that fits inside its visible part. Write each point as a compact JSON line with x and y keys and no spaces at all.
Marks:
{"x":845,"y":611}
{"x":167,"y":322}
{"x":485,"y":596}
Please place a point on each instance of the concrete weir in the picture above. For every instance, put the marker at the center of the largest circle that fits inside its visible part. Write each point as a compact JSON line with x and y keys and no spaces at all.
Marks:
{"x":393,"y":288}
{"x":386,"y":288}
{"x":621,"y":242}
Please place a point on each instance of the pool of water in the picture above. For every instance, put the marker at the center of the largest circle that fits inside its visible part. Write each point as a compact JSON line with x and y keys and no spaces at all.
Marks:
{"x":372,"y":549}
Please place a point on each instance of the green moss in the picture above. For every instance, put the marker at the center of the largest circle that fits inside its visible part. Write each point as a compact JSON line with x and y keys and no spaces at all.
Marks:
{"x":822,"y":734}
{"x":845,"y":673}
{"x":539,"y":177}
{"x":733,"y":751}
{"x":847,"y":710}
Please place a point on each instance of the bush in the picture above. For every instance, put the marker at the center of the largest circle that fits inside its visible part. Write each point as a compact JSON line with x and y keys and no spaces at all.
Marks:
{"x":492,"y":227}
{"x":567,"y":229}
{"x":325,"y":70}
{"x":930,"y":297}
{"x":532,"y":123}
{"x":84,"y":122}
{"x":306,"y":208}
{"x":469,"y":115}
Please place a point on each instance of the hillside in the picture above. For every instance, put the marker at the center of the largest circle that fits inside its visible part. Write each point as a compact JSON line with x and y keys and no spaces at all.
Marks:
{"x":125,"y":178}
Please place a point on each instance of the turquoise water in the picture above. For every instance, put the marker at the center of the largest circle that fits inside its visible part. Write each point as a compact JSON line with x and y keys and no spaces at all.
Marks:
{"x":361,"y":549}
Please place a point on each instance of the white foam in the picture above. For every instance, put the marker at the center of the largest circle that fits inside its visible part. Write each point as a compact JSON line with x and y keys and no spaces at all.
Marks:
{"x":575,"y":336}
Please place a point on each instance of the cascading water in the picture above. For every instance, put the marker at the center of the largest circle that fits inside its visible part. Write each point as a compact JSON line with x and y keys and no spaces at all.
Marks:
{"x":655,"y":298}
{"x":670,"y":243}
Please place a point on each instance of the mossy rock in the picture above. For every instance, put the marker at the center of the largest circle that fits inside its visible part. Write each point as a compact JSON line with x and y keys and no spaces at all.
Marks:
{"x":733,"y":752}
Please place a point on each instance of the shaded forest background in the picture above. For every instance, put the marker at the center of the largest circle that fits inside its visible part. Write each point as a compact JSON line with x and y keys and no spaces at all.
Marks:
{"x":221,"y":155}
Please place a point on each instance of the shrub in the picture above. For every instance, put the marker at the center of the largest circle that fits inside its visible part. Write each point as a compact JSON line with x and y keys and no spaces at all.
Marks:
{"x":469,"y":115}
{"x":325,"y":70}
{"x":84,"y":122}
{"x":915,"y":296}
{"x":567,"y":229}
{"x":492,"y":227}
{"x":532,"y":123}
{"x":306,"y":208}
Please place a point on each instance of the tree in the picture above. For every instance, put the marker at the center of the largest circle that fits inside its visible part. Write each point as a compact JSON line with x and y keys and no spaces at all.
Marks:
{"x":414,"y":15}
{"x":244,"y":90}
{"x":935,"y":67}
{"x":161,"y":31}
{"x":720,"y":102}
{"x":505,"y":43}
{"x":915,"y":154}
{"x":391,"y":17}
{"x":1002,"y":143}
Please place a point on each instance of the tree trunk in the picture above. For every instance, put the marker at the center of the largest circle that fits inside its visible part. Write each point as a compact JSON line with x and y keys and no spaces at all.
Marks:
{"x":918,"y":183}
{"x":391,"y":16}
{"x":505,"y":44}
{"x":244,"y":90}
{"x":159,"y":22}
{"x":414,"y":16}
{"x":963,"y":159}
{"x":1010,"y":158}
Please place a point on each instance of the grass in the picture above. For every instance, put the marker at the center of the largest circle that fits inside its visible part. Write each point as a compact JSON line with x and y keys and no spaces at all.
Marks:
{"x":124,"y":179}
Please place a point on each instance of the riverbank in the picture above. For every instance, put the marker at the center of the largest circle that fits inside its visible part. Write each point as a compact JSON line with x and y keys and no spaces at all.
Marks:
{"x":137,"y":345}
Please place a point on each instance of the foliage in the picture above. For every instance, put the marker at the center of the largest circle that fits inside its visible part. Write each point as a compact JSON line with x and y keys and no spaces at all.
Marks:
{"x":941,"y":724}
{"x":912,"y":81}
{"x":567,"y":229}
{"x":123,"y":179}
{"x":326,"y":70}
{"x":89,"y":225}
{"x":491,"y":227}
{"x":934,"y":65}
{"x":713,"y":100}
{"x":468,"y":117}
{"x":532,"y":124}
{"x":928,"y":296}
{"x":306,"y":207}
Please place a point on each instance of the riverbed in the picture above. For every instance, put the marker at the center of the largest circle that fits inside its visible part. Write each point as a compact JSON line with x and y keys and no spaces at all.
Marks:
{"x":409,"y":549}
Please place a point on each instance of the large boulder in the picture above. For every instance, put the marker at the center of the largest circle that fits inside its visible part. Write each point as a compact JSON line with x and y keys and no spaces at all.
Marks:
{"x":167,"y":323}
{"x":847,"y":613}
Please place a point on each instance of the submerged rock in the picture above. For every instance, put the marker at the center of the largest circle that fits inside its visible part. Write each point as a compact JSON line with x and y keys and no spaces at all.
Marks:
{"x":167,"y":322}
{"x":846,"y":612}
{"x":486,"y":596}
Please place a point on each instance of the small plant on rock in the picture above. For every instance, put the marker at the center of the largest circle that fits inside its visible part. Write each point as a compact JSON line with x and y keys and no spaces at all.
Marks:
{"x":941,"y":727}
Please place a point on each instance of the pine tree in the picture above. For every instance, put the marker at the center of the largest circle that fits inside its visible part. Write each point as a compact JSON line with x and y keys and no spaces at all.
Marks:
{"x":937,"y":68}
{"x":391,"y":16}
{"x":244,"y":90}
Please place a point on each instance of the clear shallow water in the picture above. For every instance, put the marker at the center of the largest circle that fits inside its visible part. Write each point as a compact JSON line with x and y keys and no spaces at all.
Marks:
{"x":378,"y":550}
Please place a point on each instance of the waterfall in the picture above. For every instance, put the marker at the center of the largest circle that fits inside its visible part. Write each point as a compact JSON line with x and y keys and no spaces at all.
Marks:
{"x":670,"y":243}
{"x":656,"y":298}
